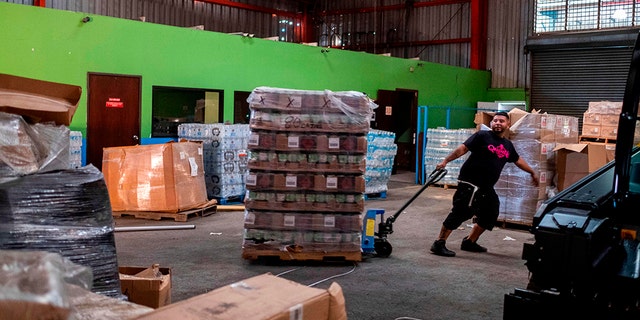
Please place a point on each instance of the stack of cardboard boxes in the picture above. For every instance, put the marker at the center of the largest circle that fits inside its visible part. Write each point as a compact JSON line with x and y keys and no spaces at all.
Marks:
{"x":306,"y":171}
{"x":601,"y":119}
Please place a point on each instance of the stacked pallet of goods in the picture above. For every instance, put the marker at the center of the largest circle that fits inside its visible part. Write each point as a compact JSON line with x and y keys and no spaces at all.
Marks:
{"x":75,"y":149}
{"x":305,"y":186}
{"x":381,"y":150}
{"x":47,"y":205}
{"x":440,"y":143}
{"x":225,"y":157}
{"x":600,"y":121}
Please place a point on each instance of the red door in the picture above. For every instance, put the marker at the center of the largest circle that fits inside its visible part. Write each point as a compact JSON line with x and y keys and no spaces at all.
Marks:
{"x":113,"y":113}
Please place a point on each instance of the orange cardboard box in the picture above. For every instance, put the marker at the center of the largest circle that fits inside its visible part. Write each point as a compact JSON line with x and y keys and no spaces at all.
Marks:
{"x":165,"y":177}
{"x":38,"y":100}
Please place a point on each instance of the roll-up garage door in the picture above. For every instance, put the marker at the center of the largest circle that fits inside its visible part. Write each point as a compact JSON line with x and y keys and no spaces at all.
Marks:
{"x":563,"y":81}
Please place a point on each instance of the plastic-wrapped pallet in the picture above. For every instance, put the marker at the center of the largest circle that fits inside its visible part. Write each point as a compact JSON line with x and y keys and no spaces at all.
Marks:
{"x":29,"y":148}
{"x":440,"y":143}
{"x":75,"y":149}
{"x":305,"y":186}
{"x":34,"y":283}
{"x":381,"y":151}
{"x":225,"y":157}
{"x":72,"y":216}
{"x":534,"y":136}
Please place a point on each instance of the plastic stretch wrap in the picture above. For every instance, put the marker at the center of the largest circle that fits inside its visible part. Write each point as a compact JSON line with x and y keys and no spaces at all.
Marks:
{"x":225,"y":156}
{"x":27,"y":149}
{"x":381,"y":152}
{"x":66,"y":212}
{"x":277,"y":109}
{"x":39,"y":277}
{"x":440,"y":143}
{"x":58,"y":142}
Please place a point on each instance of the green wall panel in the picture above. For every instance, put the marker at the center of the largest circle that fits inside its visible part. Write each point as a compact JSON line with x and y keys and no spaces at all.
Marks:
{"x":55,"y":45}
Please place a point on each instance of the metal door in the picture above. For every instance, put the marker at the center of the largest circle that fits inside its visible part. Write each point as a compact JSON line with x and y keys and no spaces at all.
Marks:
{"x":397,"y":113}
{"x":113,"y":113}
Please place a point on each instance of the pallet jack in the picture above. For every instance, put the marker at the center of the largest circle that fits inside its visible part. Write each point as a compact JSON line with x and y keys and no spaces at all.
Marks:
{"x":375,"y":242}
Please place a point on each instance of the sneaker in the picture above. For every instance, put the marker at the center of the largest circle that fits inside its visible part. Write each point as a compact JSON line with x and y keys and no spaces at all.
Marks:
{"x":468,"y":245}
{"x":438,"y":248}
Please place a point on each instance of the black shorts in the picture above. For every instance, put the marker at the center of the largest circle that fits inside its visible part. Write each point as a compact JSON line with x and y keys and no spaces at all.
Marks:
{"x":484,"y":204}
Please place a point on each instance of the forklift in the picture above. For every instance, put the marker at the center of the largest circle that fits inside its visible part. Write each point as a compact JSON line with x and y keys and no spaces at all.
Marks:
{"x":584,"y":262}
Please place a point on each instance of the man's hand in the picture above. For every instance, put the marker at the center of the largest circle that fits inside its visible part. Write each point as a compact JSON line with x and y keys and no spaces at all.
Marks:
{"x":536,"y":180}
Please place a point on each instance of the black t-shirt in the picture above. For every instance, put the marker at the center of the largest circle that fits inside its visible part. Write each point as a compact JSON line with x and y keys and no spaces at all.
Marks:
{"x":489,"y":154}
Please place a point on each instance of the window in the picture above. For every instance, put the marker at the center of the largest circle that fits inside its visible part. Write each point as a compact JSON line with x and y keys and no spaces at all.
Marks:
{"x":173,"y":106}
{"x":581,"y":15}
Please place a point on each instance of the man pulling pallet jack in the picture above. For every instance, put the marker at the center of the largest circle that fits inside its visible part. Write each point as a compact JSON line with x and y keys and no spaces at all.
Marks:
{"x":475,"y":195}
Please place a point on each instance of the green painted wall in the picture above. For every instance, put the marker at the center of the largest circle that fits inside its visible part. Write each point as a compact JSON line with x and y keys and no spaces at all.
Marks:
{"x":55,"y":45}
{"x":507,"y":94}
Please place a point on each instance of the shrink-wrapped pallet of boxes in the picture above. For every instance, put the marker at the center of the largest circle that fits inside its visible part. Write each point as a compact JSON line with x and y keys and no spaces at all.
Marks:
{"x":600,"y":121}
{"x":70,"y":216}
{"x":305,"y":186}
{"x":440,"y":143}
{"x":381,"y":151}
{"x":166,"y":177}
{"x":44,"y":204}
{"x":225,"y":157}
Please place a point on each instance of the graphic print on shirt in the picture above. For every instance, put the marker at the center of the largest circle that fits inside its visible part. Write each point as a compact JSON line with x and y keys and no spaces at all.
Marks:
{"x":500,"y":151}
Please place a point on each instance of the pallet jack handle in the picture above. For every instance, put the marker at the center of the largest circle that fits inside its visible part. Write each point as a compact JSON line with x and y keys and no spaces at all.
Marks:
{"x":435,"y":176}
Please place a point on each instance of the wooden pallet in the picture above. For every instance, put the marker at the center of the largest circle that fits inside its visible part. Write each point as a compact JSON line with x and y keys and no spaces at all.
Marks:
{"x":180,"y":216}
{"x":375,"y":195}
{"x":230,"y":200}
{"x":255,"y":254}
{"x":514,"y":224}
{"x":445,"y":186}
{"x":597,"y":139}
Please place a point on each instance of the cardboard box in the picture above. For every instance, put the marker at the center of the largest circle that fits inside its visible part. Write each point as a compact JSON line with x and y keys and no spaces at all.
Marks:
{"x":610,"y":119}
{"x":605,"y":107}
{"x":575,"y":161}
{"x":525,"y":125}
{"x":591,"y":130}
{"x":145,"y":288}
{"x":88,"y":305}
{"x":38,"y":100}
{"x":165,"y":177}
{"x":261,"y":297}
{"x":609,"y":132}
{"x":592,"y":118}
{"x":566,"y":129}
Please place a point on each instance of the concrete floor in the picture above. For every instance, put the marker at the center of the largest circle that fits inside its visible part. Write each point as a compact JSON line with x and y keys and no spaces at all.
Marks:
{"x":410,"y":284}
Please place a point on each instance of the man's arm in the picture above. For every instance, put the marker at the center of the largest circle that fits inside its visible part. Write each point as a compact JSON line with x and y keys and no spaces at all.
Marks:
{"x":455,"y":154}
{"x":522,"y":164}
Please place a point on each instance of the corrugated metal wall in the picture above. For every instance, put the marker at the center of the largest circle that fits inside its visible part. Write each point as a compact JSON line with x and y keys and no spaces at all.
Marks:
{"x":564,"y":81}
{"x":189,"y":13}
{"x":509,"y":25}
{"x":399,"y":32}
